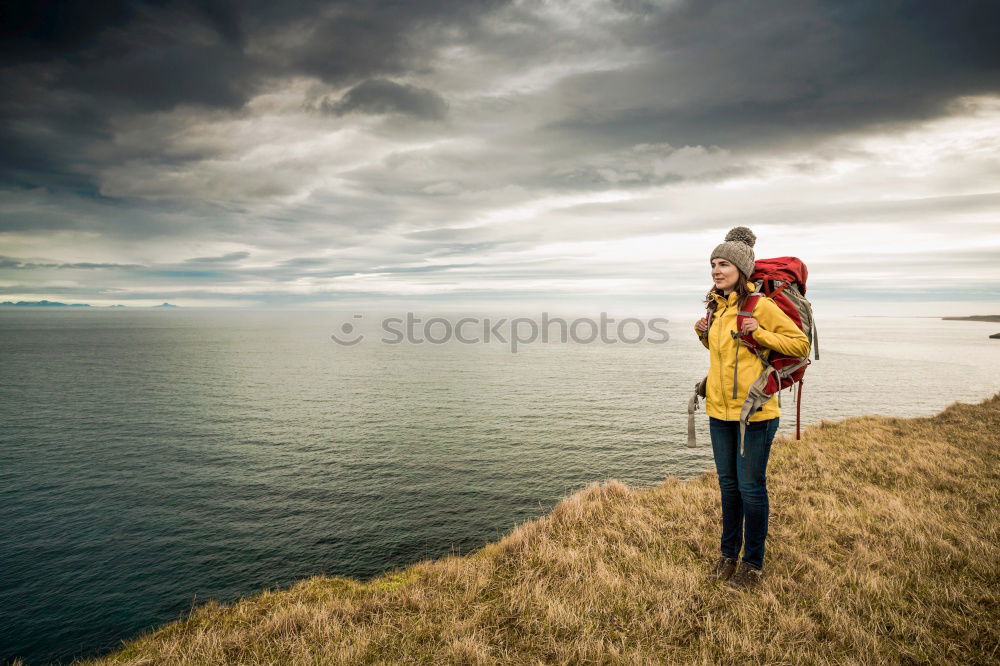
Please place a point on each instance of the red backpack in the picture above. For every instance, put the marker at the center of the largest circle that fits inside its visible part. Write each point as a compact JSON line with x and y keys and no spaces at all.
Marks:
{"x":784,"y":281}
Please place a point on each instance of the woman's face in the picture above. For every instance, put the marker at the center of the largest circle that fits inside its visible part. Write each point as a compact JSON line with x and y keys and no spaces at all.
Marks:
{"x":724,"y":274}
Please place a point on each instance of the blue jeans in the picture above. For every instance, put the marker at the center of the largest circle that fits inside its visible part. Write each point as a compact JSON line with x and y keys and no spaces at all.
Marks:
{"x":743,"y":483}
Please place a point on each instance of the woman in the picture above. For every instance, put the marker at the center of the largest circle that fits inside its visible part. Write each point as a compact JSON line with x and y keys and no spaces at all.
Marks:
{"x":733,"y":368}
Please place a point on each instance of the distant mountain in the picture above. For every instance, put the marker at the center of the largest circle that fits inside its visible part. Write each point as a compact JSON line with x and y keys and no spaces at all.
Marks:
{"x":56,"y":304}
{"x":991,"y":318}
{"x":48,"y":304}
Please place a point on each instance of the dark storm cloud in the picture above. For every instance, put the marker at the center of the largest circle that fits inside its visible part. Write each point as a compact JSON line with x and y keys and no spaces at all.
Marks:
{"x":734,"y":73}
{"x":383,"y":96}
{"x":70,"y":68}
{"x":33,"y":30}
{"x":719,"y":72}
{"x":343,"y":42}
{"x":162,"y":76}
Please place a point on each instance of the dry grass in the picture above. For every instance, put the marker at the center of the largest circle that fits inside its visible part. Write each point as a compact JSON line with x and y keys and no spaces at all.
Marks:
{"x":882,"y":549}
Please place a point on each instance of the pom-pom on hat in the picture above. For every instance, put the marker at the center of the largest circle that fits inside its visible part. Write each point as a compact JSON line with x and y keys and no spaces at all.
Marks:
{"x":738,"y":250}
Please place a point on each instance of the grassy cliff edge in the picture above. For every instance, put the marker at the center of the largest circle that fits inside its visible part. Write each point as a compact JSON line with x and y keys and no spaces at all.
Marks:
{"x":883,"y":547}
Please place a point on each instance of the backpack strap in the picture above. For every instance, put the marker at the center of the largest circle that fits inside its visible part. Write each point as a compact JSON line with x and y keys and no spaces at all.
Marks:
{"x":699,"y":391}
{"x":815,"y":335}
{"x":747,"y":339}
{"x":708,"y":322}
{"x":780,"y":287}
{"x":741,"y":316}
{"x":798,"y":409}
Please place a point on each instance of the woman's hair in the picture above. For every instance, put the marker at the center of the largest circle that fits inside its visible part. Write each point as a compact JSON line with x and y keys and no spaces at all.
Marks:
{"x":741,"y":294}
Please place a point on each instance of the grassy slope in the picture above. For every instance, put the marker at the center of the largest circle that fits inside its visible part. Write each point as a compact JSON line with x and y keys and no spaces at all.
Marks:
{"x":883,"y":547}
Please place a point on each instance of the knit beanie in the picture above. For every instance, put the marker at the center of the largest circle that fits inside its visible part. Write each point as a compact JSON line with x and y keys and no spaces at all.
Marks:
{"x":738,"y":250}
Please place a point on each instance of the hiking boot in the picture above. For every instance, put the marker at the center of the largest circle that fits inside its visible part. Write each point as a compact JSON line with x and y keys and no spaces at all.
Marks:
{"x":746,"y":577}
{"x":724,"y":568}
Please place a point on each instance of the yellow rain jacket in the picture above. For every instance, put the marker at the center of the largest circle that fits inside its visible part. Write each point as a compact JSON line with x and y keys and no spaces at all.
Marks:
{"x":775,"y":331}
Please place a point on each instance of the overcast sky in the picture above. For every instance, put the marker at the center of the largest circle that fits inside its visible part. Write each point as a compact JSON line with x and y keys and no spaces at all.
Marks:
{"x":459,"y":154}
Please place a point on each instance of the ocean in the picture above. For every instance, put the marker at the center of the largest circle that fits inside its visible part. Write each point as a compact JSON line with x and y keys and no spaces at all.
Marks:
{"x":151,"y":460}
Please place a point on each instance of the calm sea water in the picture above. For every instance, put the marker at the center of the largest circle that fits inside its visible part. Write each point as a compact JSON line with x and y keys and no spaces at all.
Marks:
{"x":151,"y":460}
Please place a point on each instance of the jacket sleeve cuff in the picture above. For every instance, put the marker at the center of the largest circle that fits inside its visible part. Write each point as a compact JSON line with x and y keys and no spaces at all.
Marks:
{"x":702,"y":337}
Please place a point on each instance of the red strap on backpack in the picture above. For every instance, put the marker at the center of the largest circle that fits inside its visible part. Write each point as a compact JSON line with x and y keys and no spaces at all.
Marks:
{"x":798,"y":408}
{"x":741,"y":316}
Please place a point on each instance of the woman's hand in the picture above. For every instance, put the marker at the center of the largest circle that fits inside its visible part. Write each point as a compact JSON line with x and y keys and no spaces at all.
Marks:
{"x":702,"y":324}
{"x":749,"y":326}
